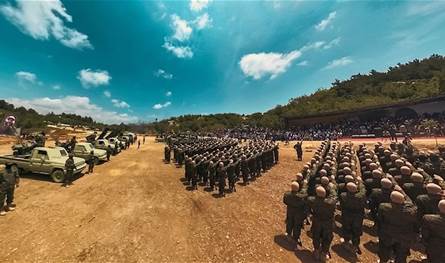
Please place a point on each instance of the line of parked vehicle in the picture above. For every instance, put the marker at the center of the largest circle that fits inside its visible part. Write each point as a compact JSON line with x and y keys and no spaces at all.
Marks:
{"x":51,"y":160}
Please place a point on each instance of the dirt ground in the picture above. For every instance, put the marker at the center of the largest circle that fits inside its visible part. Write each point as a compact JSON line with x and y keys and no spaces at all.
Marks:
{"x":136,"y":209}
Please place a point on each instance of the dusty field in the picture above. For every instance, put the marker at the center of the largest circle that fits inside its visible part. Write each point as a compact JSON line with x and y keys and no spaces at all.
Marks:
{"x":136,"y":209}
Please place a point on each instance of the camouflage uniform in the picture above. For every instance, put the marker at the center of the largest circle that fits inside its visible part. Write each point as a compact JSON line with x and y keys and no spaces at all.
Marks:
{"x":352,"y":214}
{"x":398,"y":226}
{"x":69,"y":167}
{"x":322,"y":210}
{"x":297,"y":210}
{"x":433,"y":236}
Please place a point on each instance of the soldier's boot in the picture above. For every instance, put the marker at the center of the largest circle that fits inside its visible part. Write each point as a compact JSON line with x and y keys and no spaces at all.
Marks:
{"x":11,"y":207}
{"x":323,"y":257}
{"x":2,"y":212}
{"x":358,"y":250}
{"x":316,"y":254}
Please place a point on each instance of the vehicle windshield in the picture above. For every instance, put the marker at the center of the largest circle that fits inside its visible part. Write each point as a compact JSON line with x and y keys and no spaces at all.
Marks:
{"x":89,"y":147}
{"x":63,"y":152}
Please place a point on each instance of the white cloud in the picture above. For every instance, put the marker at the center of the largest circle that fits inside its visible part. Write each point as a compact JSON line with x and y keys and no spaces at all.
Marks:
{"x":26,"y":76}
{"x":315,"y":45}
{"x":326,"y":22}
{"x":303,"y":63}
{"x":93,"y":78}
{"x":339,"y":62}
{"x":44,"y":19}
{"x":163,"y":74}
{"x":179,"y":51}
{"x":258,"y":65}
{"x":73,"y":104}
{"x":332,"y":43}
{"x":159,"y":106}
{"x":168,"y":94}
{"x":198,"y":5}
{"x":203,"y":21}
{"x":57,"y":87}
{"x":424,"y":8}
{"x":120,"y":103}
{"x":181,"y":28}
{"x":107,"y":94}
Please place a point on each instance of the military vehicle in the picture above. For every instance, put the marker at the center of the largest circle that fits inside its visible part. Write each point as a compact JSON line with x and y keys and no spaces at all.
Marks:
{"x":103,"y":145}
{"x":44,"y":160}
{"x":83,"y":150}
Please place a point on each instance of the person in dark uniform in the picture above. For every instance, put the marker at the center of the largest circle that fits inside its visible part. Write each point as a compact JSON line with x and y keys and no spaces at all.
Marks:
{"x":109,"y":152}
{"x":167,"y":153}
{"x":231,"y":176}
{"x":296,"y":211}
{"x":91,"y":163}
{"x":299,"y":149}
{"x":9,"y":180}
{"x":353,"y":203}
{"x":221,"y":174}
{"x":69,"y":167}
{"x":322,"y":210}
{"x":433,"y":234}
{"x":193,"y":173}
{"x":398,"y":228}
{"x":212,"y":174}
{"x":244,"y":170}
{"x":427,"y":203}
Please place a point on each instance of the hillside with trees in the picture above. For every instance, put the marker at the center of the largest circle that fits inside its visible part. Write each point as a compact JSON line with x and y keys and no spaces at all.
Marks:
{"x":404,"y":82}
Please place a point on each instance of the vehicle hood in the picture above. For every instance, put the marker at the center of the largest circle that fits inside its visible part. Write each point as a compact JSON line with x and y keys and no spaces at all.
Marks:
{"x":99,"y":152}
{"x":77,"y":161}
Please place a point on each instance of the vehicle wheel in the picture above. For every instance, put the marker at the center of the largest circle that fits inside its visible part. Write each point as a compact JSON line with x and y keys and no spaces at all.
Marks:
{"x":58,"y":176}
{"x":96,"y":161}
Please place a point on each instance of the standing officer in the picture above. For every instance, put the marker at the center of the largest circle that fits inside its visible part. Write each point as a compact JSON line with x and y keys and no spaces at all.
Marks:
{"x":9,"y":180}
{"x":299,"y":149}
{"x":109,"y":152}
{"x":297,"y":210}
{"x":69,"y":167}
{"x":433,"y":234}
{"x":91,"y":160}
{"x":167,"y":153}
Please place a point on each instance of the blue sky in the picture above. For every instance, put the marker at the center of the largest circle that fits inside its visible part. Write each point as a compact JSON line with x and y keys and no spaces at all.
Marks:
{"x":129,"y":61}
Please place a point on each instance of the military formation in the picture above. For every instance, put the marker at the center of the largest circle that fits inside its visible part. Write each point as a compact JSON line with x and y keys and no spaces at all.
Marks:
{"x":399,"y":188}
{"x":215,"y":163}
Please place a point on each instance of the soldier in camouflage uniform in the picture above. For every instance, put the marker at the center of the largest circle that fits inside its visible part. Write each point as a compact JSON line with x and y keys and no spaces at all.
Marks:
{"x":433,"y":234}
{"x":297,"y":210}
{"x":221,"y":173}
{"x":398,"y":228}
{"x":353,"y":203}
{"x":167,"y":152}
{"x":69,"y":168}
{"x":322,"y":209}
{"x":9,"y":180}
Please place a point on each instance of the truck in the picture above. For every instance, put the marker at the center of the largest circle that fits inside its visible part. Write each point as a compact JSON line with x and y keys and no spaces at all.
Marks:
{"x":103,"y":145}
{"x":44,"y":160}
{"x":83,"y":150}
